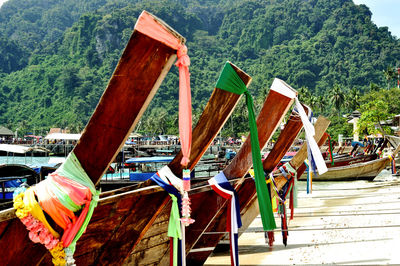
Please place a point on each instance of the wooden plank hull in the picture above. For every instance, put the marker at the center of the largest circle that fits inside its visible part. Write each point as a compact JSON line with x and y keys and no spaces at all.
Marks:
{"x":137,"y":223}
{"x":347,"y":160}
{"x":246,"y":193}
{"x":272,"y":113}
{"x":358,"y":171}
{"x":140,"y":71}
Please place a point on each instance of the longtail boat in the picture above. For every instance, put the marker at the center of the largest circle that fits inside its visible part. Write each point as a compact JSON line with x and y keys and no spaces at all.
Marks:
{"x":205,"y":244}
{"x":127,"y":213}
{"x":357,"y":171}
{"x":362,"y":167}
{"x":154,"y":246}
{"x":369,"y":154}
{"x":143,"y":65}
{"x":297,"y":161}
{"x":147,"y":201}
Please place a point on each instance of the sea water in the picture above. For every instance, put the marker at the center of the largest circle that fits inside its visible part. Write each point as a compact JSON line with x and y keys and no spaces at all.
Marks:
{"x":27,"y":160}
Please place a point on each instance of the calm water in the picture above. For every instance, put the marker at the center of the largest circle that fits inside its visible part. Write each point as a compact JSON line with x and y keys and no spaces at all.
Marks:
{"x":26,"y":160}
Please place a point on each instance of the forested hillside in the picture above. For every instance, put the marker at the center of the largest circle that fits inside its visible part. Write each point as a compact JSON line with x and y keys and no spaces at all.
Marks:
{"x":57,"y":56}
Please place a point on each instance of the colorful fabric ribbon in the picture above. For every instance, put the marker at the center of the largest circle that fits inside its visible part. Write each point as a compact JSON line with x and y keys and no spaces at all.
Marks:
{"x":165,"y":179}
{"x":330,"y":149}
{"x":311,"y":143}
{"x":147,"y":25}
{"x":230,"y":81}
{"x":221,"y":185}
{"x":64,"y":192}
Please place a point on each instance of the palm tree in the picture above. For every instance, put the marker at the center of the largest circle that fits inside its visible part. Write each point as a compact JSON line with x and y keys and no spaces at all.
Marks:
{"x":304,"y":94}
{"x":337,"y":97}
{"x":389,"y":74}
{"x":354,"y":99}
{"x":320,"y":103}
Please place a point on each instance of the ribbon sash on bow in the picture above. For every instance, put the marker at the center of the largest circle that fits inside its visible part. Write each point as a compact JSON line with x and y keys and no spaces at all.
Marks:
{"x":221,"y":185}
{"x":147,"y":25}
{"x":166,"y":179}
{"x":230,"y":81}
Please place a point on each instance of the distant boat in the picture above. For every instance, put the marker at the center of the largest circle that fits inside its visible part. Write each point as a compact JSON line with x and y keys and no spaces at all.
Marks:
{"x":362,"y":167}
{"x":358,"y":171}
{"x":21,"y":150}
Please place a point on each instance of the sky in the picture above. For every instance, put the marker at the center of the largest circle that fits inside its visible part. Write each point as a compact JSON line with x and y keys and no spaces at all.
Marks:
{"x":384,"y":13}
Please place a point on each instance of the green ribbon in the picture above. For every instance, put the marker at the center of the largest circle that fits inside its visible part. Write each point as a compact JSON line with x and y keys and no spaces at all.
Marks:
{"x":72,"y":169}
{"x":65,"y":200}
{"x":230,"y":81}
{"x":174,"y":227}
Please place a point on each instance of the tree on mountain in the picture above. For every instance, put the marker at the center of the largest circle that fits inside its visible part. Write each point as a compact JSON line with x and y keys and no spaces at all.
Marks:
{"x":372,"y":115}
{"x":337,"y":97}
{"x":389,"y":74}
{"x":352,"y":99}
{"x":320,"y":104}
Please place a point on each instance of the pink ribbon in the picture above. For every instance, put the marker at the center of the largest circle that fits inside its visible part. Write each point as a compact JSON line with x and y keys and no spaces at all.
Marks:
{"x":149,"y":26}
{"x":185,"y":104}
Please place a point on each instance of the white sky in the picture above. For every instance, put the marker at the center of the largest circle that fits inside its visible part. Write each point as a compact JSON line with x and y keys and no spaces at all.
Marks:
{"x":384,"y":13}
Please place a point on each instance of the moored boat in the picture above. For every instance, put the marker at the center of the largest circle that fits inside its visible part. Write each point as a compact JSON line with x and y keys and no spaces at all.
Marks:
{"x":140,"y":71}
{"x":154,"y":246}
{"x":357,"y":171}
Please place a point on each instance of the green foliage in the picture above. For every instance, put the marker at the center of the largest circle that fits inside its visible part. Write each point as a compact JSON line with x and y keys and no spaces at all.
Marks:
{"x":373,"y":113}
{"x":376,"y":107}
{"x":56,"y":56}
{"x":339,"y":125}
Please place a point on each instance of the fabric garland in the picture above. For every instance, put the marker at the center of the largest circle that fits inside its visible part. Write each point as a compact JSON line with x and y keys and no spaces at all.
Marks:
{"x":221,"y":185}
{"x":230,"y":81}
{"x":147,"y":25}
{"x":311,"y":143}
{"x":290,"y":174}
{"x":173,"y":185}
{"x":65,"y":192}
{"x":330,"y":149}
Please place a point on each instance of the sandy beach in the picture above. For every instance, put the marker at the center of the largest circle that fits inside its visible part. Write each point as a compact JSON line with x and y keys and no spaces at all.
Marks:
{"x":346,"y":223}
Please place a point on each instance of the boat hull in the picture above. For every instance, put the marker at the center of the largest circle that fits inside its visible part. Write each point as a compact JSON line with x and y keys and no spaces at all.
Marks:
{"x":359,"y":171}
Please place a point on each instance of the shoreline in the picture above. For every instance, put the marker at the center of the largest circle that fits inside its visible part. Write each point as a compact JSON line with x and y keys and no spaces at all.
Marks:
{"x":339,"y":223}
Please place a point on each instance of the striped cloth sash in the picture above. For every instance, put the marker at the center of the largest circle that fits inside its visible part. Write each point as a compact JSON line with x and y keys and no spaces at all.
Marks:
{"x":169,"y":182}
{"x":221,"y":185}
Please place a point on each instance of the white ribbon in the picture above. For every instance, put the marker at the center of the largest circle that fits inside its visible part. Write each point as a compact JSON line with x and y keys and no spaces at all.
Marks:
{"x":168,"y":177}
{"x":310,"y":132}
{"x":234,"y":225}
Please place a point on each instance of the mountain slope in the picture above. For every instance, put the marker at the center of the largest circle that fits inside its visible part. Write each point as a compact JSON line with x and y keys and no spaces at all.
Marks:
{"x":58,"y":55}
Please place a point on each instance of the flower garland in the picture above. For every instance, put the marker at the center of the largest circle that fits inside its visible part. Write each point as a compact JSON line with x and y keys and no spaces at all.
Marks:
{"x":69,"y":197}
{"x":38,"y":232}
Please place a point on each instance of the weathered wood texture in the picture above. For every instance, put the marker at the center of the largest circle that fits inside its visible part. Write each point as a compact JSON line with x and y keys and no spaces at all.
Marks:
{"x":246,"y":195}
{"x":217,"y":111}
{"x":205,"y":208}
{"x":143,"y":65}
{"x":320,"y":127}
{"x":274,"y":109}
{"x":139,"y":73}
{"x":284,"y":142}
